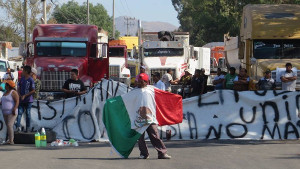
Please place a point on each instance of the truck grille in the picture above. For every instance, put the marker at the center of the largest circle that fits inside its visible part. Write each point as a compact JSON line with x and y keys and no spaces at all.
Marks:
{"x":53,"y":80}
{"x":114,"y":72}
{"x":162,"y":72}
{"x":278,"y":84}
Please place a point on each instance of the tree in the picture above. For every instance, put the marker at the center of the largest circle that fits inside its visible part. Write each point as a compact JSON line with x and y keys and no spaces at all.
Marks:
{"x":10,"y":34}
{"x":208,"y":20}
{"x":72,"y":12}
{"x":15,"y":13}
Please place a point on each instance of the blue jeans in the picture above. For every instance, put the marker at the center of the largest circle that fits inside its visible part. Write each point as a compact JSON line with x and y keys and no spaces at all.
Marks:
{"x":24,"y":107}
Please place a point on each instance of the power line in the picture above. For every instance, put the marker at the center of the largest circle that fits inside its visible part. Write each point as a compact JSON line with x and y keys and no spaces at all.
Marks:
{"x":125,"y":9}
{"x":128,"y":23}
{"x":128,"y":8}
{"x":76,"y":18}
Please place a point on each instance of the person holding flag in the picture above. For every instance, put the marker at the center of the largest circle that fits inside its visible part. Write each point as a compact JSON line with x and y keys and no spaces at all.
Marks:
{"x":127,"y":117}
{"x":151,"y":130}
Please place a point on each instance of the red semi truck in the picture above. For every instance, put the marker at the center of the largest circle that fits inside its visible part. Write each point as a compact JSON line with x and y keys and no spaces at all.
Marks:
{"x":57,"y":48}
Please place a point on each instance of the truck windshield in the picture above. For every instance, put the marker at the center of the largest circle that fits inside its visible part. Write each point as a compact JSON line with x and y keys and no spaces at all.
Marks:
{"x":163,"y":52}
{"x":116,"y":52}
{"x":61,"y":49}
{"x":2,"y":66}
{"x":276,"y":49}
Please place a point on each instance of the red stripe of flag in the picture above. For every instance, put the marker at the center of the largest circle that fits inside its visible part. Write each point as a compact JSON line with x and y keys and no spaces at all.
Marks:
{"x":168,"y":107}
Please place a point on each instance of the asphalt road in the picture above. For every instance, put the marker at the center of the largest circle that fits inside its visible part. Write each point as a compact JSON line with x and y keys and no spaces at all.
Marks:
{"x":196,"y":154}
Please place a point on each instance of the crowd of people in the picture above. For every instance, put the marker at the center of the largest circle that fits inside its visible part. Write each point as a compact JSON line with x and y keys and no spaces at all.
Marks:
{"x":17,"y":98}
{"x":193,"y":85}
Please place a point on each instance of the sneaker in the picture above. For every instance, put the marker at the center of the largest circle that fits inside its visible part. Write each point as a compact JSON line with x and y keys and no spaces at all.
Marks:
{"x":143,"y":157}
{"x":165,"y":156}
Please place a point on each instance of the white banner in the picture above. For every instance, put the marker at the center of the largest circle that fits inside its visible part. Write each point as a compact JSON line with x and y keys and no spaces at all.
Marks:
{"x":217,"y":115}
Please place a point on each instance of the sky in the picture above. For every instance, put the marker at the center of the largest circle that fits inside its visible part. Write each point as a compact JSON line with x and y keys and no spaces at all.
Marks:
{"x":145,"y":10}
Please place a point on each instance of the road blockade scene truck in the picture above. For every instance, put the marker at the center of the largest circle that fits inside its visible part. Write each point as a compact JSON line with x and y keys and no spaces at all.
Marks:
{"x":5,"y":62}
{"x":118,"y":66}
{"x":56,"y":49}
{"x":132,"y":43}
{"x":171,"y":50}
{"x":269,"y":38}
{"x":164,"y":50}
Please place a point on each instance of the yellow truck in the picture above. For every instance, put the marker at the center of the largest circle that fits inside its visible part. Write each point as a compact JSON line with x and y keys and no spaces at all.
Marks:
{"x":269,"y":38}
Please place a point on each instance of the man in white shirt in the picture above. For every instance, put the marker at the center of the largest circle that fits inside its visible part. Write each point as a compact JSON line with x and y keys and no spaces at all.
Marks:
{"x":288,"y":78}
{"x":167,"y":79}
{"x":157,"y":82}
{"x":8,"y":75}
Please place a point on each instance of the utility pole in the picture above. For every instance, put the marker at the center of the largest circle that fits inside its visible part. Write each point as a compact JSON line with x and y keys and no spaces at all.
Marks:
{"x":128,"y":23}
{"x":113,"y":15}
{"x":140,"y":41}
{"x":25,"y":22}
{"x":44,"y":11}
{"x":88,"y":12}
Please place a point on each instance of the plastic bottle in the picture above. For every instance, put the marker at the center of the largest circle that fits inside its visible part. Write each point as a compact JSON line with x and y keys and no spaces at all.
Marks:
{"x":43,"y":138}
{"x":37,"y":139}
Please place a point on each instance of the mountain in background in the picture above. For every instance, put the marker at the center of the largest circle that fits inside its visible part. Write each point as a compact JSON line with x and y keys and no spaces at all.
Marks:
{"x":121,"y":26}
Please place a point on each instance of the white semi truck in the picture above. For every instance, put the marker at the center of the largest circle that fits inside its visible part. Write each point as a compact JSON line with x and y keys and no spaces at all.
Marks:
{"x":164,"y":50}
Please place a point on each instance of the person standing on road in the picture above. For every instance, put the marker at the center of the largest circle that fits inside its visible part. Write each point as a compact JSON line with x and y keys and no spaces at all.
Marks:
{"x":218,"y":80}
{"x":203,"y":79}
{"x":37,"y":83}
{"x":167,"y":79}
{"x":20,"y":73}
{"x":74,"y":86}
{"x":10,"y":103}
{"x":151,"y":130}
{"x":26,"y":90}
{"x":157,"y":82}
{"x":228,"y":81}
{"x":8,"y":75}
{"x":288,"y":78}
{"x":196,"y":84}
{"x":142,"y":70}
{"x":266,"y":83}
{"x":241,"y":81}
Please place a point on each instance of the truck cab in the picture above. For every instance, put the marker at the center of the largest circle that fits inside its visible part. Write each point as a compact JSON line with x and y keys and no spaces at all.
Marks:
{"x":56,"y":49}
{"x":118,"y":66}
{"x":269,"y":38}
{"x":160,"y":55}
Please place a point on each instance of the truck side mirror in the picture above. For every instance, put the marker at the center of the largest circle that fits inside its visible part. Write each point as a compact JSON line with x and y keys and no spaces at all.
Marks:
{"x":195,"y":55}
{"x":30,"y":49}
{"x":191,"y":52}
{"x":103,"y":53}
{"x":22,"y":50}
{"x":93,"y":51}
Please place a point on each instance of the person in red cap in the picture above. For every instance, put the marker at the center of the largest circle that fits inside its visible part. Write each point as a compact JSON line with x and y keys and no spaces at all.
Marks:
{"x":10,"y":103}
{"x":142,"y":70}
{"x":151,"y":130}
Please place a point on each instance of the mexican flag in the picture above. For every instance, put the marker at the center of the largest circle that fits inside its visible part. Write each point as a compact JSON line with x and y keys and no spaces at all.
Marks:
{"x":127,"y":117}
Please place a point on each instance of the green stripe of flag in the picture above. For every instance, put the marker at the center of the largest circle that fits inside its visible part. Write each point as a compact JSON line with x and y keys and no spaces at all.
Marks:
{"x":118,"y":126}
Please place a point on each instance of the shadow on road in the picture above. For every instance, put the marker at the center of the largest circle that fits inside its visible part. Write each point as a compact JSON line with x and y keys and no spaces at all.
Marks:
{"x":289,"y":156}
{"x":205,"y":143}
{"x":102,"y":159}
